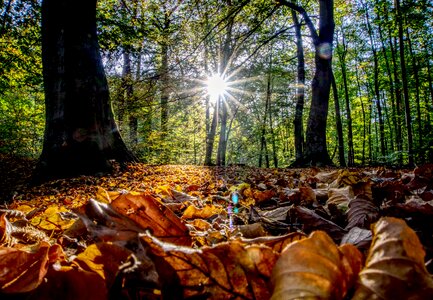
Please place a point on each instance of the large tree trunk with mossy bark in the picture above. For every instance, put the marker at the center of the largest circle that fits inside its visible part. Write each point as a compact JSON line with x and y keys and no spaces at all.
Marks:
{"x":81,"y":136}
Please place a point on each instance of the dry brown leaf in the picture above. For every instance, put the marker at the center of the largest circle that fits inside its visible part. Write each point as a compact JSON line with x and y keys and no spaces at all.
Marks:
{"x":23,"y":271}
{"x":395,"y":265}
{"x":311,"y":221}
{"x":70,"y":282}
{"x":307,"y":196}
{"x":315,"y":268}
{"x":277,"y":243}
{"x":345,"y":178}
{"x":340,"y":196}
{"x":5,"y":230}
{"x":226,"y":271}
{"x":362,"y":212}
{"x":417,"y":205}
{"x":359,"y":237}
{"x":261,"y":196}
{"x":252,"y":230}
{"x":150,"y":214}
{"x":327,"y":177}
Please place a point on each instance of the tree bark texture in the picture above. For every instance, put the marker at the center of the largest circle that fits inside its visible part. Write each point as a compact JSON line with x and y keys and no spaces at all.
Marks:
{"x":81,"y":136}
{"x":316,"y":151}
{"x":300,"y":90}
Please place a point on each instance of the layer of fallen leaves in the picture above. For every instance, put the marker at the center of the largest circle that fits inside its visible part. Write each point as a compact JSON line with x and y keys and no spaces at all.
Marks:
{"x":188,"y":232}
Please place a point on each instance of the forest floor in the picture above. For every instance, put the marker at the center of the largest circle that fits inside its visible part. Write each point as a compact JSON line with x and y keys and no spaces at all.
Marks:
{"x":153,"y":232}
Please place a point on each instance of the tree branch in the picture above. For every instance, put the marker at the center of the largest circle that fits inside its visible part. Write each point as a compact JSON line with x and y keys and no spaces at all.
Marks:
{"x":305,"y":16}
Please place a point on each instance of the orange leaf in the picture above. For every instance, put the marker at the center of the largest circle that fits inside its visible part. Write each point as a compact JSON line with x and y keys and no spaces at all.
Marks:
{"x":263,"y":196}
{"x":147,"y":212}
{"x":5,"y":229}
{"x":315,"y":268}
{"x":208,"y":211}
{"x":23,"y":271}
{"x":226,"y":271}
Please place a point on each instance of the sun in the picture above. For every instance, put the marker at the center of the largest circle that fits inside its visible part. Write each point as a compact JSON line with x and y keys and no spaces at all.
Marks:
{"x":216,"y":86}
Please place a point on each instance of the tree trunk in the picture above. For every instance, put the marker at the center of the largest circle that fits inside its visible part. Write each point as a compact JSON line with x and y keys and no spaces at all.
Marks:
{"x":376,"y":84}
{"x":164,"y":88}
{"x":222,"y":144}
{"x":81,"y":136}
{"x":210,"y":136}
{"x":300,"y":90}
{"x":338,"y":124}
{"x":405,"y":83}
{"x":342,"y":59}
{"x":316,"y":151}
{"x":363,"y":116}
{"x":391,"y":91}
{"x":224,"y":66}
{"x":417,"y":99}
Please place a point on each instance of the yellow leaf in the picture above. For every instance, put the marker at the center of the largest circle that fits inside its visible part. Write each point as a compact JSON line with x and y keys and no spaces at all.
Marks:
{"x":203,"y":213}
{"x":103,"y":259}
{"x":51,"y":219}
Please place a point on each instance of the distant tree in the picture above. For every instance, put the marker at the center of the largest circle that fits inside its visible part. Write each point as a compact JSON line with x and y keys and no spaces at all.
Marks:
{"x":81,"y":136}
{"x":316,"y":152}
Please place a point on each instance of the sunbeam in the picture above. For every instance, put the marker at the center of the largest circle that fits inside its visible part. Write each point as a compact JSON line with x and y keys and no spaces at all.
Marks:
{"x":216,"y":86}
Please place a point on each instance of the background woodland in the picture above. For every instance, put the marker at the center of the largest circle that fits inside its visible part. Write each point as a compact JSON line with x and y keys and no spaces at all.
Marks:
{"x":158,"y":54}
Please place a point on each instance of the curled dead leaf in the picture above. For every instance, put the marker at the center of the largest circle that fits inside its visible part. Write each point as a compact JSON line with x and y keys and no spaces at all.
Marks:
{"x":311,"y":221}
{"x":315,"y":268}
{"x":226,"y":271}
{"x":153,"y":215}
{"x":362,"y":212}
{"x":23,"y":271}
{"x":395,"y":265}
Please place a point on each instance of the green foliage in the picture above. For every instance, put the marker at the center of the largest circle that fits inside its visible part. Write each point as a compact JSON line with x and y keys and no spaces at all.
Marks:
{"x":22,"y":119}
{"x":173,"y":46}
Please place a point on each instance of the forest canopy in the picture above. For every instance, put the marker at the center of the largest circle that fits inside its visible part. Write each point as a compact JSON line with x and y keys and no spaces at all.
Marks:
{"x":158,"y":56}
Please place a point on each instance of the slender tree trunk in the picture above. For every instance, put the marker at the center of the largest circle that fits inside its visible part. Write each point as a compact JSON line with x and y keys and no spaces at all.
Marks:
{"x":338,"y":124}
{"x":376,"y":84}
{"x":210,"y":138}
{"x":300,"y":90}
{"x":405,"y":83}
{"x":417,"y":99}
{"x":224,"y":66}
{"x":342,"y":59}
{"x":398,"y":102}
{"x":429,"y":78}
{"x":393,"y":117}
{"x":222,"y":144}
{"x":164,"y":88}
{"x":81,"y":136}
{"x":363,"y":117}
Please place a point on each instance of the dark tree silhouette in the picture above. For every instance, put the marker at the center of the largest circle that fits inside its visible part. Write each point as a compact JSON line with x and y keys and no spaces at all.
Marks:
{"x":316,"y":152}
{"x":81,"y":136}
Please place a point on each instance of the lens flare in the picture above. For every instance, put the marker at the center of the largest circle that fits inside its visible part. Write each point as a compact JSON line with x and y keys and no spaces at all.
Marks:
{"x":216,"y":86}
